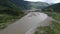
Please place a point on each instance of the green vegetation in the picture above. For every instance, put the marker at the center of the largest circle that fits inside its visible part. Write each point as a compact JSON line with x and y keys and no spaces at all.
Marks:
{"x":53,"y":11}
{"x":9,"y":13}
{"x":37,"y":5}
{"x":54,"y":15}
{"x":53,"y":8}
{"x":53,"y":28}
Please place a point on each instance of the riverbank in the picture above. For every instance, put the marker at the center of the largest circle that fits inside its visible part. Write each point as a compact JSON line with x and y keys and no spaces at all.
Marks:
{"x":30,"y":21}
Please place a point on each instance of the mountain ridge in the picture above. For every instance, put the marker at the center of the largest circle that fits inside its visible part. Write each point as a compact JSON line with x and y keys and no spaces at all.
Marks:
{"x":29,"y":5}
{"x":55,"y":7}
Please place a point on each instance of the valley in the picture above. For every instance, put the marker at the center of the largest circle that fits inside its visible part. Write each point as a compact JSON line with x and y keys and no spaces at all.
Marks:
{"x":24,"y":17}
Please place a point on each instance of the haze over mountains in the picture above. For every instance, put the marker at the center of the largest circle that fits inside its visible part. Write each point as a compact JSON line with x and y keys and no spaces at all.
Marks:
{"x":37,"y":5}
{"x":30,"y":5}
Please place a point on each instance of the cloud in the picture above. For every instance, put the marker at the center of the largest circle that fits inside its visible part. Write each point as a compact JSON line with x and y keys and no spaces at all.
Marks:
{"x":34,"y":0}
{"x":56,"y":1}
{"x":48,"y":1}
{"x":53,"y":1}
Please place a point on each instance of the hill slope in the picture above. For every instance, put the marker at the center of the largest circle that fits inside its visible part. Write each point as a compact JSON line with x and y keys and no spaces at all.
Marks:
{"x":55,"y":7}
{"x":29,"y":5}
{"x":20,"y":3}
{"x":38,"y":5}
{"x":9,"y":12}
{"x":53,"y":11}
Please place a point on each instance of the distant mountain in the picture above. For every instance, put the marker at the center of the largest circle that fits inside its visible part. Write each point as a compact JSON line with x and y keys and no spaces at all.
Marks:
{"x":29,"y":5}
{"x":55,"y":7}
{"x":38,"y":5}
{"x":51,"y":3}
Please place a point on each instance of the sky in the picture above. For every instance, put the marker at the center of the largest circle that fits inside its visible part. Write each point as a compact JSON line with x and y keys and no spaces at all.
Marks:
{"x":48,"y":1}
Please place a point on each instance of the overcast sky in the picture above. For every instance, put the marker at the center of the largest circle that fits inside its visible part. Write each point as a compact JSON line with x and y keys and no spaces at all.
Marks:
{"x":48,"y":1}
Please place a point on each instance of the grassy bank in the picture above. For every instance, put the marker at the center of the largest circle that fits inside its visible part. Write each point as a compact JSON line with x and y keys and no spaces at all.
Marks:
{"x":6,"y":19}
{"x":9,"y":13}
{"x":53,"y":28}
{"x":54,"y":15}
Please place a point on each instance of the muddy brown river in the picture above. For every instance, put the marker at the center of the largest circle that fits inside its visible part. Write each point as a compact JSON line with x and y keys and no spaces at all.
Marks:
{"x":27,"y":24}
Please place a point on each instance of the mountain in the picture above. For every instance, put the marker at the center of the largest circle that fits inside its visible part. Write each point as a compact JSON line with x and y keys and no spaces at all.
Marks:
{"x":55,"y":7}
{"x":51,"y":3}
{"x":9,"y":13}
{"x":20,"y":3}
{"x":38,"y":5}
{"x":29,"y":5}
{"x":7,"y":7}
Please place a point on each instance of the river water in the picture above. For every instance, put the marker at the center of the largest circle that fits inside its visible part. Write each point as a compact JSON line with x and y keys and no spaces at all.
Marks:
{"x":27,"y":24}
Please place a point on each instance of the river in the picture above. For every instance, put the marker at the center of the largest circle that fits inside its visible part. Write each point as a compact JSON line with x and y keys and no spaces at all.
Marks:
{"x":27,"y":24}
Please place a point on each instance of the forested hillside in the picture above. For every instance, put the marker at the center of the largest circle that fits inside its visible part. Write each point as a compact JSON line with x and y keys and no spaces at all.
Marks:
{"x":9,"y":12}
{"x":20,"y":3}
{"x":30,"y":5}
{"x":55,"y":8}
{"x":38,"y":5}
{"x":53,"y":11}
